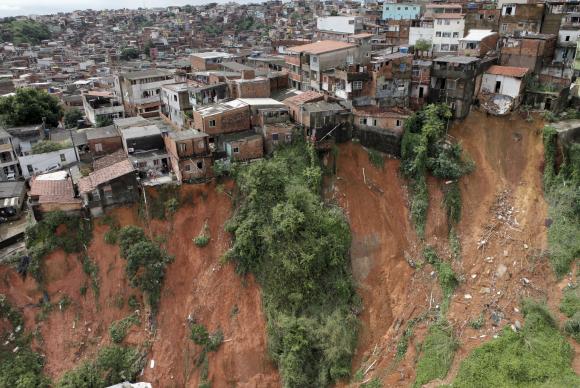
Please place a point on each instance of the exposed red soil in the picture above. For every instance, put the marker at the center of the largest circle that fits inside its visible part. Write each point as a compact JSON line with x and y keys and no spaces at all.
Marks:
{"x":195,"y":284}
{"x":508,"y":153}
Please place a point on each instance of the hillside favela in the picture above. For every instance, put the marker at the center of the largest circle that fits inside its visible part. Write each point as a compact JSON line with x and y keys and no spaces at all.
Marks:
{"x":293,"y":194}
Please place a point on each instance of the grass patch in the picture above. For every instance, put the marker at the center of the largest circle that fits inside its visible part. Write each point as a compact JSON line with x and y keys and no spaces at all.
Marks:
{"x":202,"y":239}
{"x":448,"y":280}
{"x":437,"y":352}
{"x":537,"y":356}
{"x":23,"y":367}
{"x":562,"y":192}
{"x":570,"y":303}
{"x":118,"y":329}
{"x":114,"y":364}
{"x":164,"y":203}
{"x":91,"y":269}
{"x":298,"y":248}
{"x":454,"y":244}
{"x":55,"y":230}
{"x":376,"y":158}
{"x":478,"y":322}
{"x":114,"y":227}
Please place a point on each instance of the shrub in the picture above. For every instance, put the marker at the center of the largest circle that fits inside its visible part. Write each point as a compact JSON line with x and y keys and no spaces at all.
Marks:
{"x":297,"y":247}
{"x":536,"y":356}
{"x":376,"y":158}
{"x":203,"y":238}
{"x":570,"y":303}
{"x":199,"y":335}
{"x":437,"y":352}
{"x":118,"y":329}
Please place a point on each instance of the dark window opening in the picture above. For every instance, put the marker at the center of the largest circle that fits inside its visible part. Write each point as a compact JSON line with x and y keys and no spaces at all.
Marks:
{"x":199,"y":164}
{"x":497,"y":86}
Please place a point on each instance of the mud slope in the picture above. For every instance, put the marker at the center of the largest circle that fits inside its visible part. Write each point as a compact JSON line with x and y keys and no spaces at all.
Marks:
{"x":212,"y":294}
{"x":196,"y":284}
{"x":508,"y":154}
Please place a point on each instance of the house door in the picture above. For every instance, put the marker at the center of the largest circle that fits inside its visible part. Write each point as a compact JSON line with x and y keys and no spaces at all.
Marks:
{"x":548,"y":104}
{"x":421,"y":92}
{"x":497,"y":86}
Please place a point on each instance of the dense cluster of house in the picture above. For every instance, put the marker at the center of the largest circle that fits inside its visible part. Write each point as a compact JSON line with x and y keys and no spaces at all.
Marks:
{"x":226,"y":83}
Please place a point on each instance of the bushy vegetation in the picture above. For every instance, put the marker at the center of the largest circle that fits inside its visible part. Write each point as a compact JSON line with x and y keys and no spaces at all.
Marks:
{"x":447,"y":278}
{"x":28,"y":106}
{"x":146,"y":262}
{"x":164,"y":202}
{"x":112,"y":234}
{"x":118,"y":329}
{"x":297,"y":246}
{"x":72,"y":117}
{"x":536,"y":356}
{"x":425,"y":149}
{"x":570,"y":306}
{"x":376,"y":158}
{"x":113,"y":364}
{"x":23,"y":31}
{"x":45,"y":146}
{"x":23,"y":367}
{"x":562,"y":191}
{"x":202,"y":239}
{"x":48,"y":235}
{"x":437,"y":352}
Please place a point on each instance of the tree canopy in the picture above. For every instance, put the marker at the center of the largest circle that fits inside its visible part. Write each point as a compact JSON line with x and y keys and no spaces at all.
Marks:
{"x":72,"y":117}
{"x":23,"y":31}
{"x":28,"y":106}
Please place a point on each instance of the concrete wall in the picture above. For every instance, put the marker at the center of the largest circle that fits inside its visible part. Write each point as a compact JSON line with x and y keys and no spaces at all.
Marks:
{"x":340,"y":24}
{"x":234,"y":120}
{"x":416,"y":33}
{"x":509,"y":86}
{"x":43,"y":162}
{"x":108,"y":145}
{"x":401,"y":11}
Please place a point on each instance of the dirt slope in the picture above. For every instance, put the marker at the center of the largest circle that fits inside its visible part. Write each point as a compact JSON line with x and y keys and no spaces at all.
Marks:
{"x":495,"y":276}
{"x":196,"y":284}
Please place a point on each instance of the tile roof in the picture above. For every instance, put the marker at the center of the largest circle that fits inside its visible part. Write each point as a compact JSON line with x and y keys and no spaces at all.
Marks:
{"x":508,"y":71}
{"x":110,"y":159}
{"x":104,"y":175}
{"x":321,"y":47}
{"x":53,"y":191}
{"x":303,"y":98}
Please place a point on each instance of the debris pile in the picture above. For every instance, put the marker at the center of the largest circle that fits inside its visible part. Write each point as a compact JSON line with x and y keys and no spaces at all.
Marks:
{"x":502,"y":213}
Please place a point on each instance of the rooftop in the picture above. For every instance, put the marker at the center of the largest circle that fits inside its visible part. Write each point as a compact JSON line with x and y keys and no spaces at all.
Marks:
{"x":11,"y":189}
{"x":102,"y":132}
{"x":110,"y":159}
{"x":321,"y":47}
{"x":213,"y":54}
{"x":477,"y":35}
{"x":130,"y":122}
{"x":104,"y":175}
{"x":460,"y":59}
{"x":146,"y":130}
{"x":303,"y":98}
{"x":53,"y":188}
{"x":146,"y":74}
{"x":186,"y":135}
{"x":508,"y":71}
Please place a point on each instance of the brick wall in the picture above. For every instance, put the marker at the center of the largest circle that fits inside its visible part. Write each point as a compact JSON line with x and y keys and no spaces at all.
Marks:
{"x":109,"y":145}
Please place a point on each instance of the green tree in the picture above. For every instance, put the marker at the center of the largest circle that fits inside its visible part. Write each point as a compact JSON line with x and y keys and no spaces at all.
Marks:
{"x":72,"y":117}
{"x":23,"y":31}
{"x":29,"y":106}
{"x":129,"y":53}
{"x":44,"y":146}
{"x":104,"y":121}
{"x":423,"y":45}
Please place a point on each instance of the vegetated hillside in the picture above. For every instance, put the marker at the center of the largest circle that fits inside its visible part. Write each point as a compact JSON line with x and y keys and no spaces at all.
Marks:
{"x":503,"y":254}
{"x":73,"y":325}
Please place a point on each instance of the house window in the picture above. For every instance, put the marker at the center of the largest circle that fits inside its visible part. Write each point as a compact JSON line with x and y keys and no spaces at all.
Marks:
{"x":62,"y":158}
{"x":362,"y":121}
{"x":357,"y":85}
{"x":174,"y":97}
{"x":98,"y":147}
{"x":212,"y":123}
{"x":398,"y":123}
{"x":288,"y":138}
{"x":504,"y":27}
{"x":402,"y":67}
{"x":30,"y":169}
{"x":236,"y":150}
{"x":108,"y":191}
{"x":199,"y":164}
{"x":508,"y":10}
{"x":453,"y":47}
{"x":447,"y":34}
{"x":182,"y":147}
{"x":275,"y":136}
{"x":438,"y":34}
{"x":156,"y":162}
{"x":375,"y":122}
{"x":314,"y":59}
{"x":444,"y":47}
{"x":451,"y":84}
{"x":188,"y":167}
{"x":456,"y":34}
{"x":447,"y":22}
{"x":567,"y":39}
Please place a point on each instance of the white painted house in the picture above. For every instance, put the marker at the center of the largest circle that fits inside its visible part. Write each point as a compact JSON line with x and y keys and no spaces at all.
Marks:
{"x":50,"y":161}
{"x":504,"y":87}
{"x":448,"y":29}
{"x":340,"y":24}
